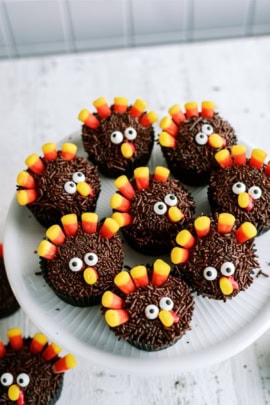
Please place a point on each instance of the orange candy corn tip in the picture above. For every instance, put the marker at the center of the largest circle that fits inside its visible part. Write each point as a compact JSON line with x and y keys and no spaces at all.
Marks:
{"x":116,"y":317}
{"x":49,"y":150}
{"x":139,"y":276}
{"x":185,"y":239}
{"x":257,"y":158}
{"x":167,"y":140}
{"x":1,"y":251}
{"x":65,"y":363}
{"x":35,"y":163}
{"x":25,"y":197}
{"x":125,"y":187}
{"x":51,"y":351}
{"x":225,"y":223}
{"x":15,"y":338}
{"x":191,"y":109}
{"x":267,"y":170}
{"x":111,"y":300}
{"x":109,"y":228}
{"x":208,"y":109}
{"x":141,"y":175}
{"x":245,"y":232}
{"x":120,"y":104}
{"x":138,"y":108}
{"x":179,"y":255}
{"x":55,"y":234}
{"x":161,"y":174}
{"x":176,"y":113}
{"x":202,"y":226}
{"x":124,"y":282}
{"x":24,"y":179}
{"x":161,"y":271}
{"x":122,"y":218}
{"x":89,"y":222}
{"x":38,"y":342}
{"x":47,"y":250}
{"x":148,"y":119}
{"x":69,"y":151}
{"x":239,"y":153}
{"x":223,"y":158}
{"x":70,"y":224}
{"x":88,"y":119}
{"x":168,"y":125}
{"x":102,"y":107}
{"x":2,"y":349}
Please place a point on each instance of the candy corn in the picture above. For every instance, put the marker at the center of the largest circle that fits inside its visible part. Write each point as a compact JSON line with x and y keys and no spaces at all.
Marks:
{"x":111,"y":300}
{"x":116,"y":317}
{"x":138,"y":108}
{"x":208,"y":108}
{"x":166,"y":318}
{"x":176,"y":113}
{"x":168,"y":125}
{"x":267,"y":170}
{"x":245,"y":232}
{"x":124,"y":282}
{"x":47,"y":250}
{"x":175,"y":214}
{"x":38,"y":342}
{"x":167,"y":140}
{"x":25,"y":197}
{"x":239,"y":154}
{"x":15,"y":338}
{"x":102,"y":107}
{"x":109,"y":228}
{"x":90,"y":275}
{"x":120,"y":104}
{"x":257,"y":158}
{"x":49,"y":151}
{"x":179,"y":255}
{"x":84,"y":189}
{"x":88,"y":119}
{"x":120,"y":203}
{"x":127,"y":149}
{"x":216,"y":141}
{"x":139,"y":276}
{"x":2,"y":349}
{"x":161,"y":174}
{"x":191,"y":109}
{"x":225,"y":223}
{"x":161,"y":271}
{"x":24,"y":179}
{"x":1,"y":250}
{"x":122,"y":218}
{"x":225,"y":285}
{"x":35,"y":163}
{"x":245,"y":201}
{"x":56,"y":235}
{"x":185,"y":239}
{"x":202,"y":226}
{"x":68,"y":151}
{"x":65,"y":363}
{"x":223,"y":158}
{"x":51,"y":351}
{"x":70,"y":224}
{"x":148,"y":119}
{"x":89,"y":222}
{"x":125,"y":187}
{"x":141,"y":175}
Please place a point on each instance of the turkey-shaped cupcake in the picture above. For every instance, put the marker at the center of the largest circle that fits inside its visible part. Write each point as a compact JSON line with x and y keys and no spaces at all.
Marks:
{"x":151,"y":209}
{"x":58,"y":183}
{"x":119,"y":137}
{"x":31,"y":371}
{"x":8,"y":302}
{"x":80,"y":258}
{"x":216,"y":259}
{"x":242,"y":186}
{"x":150,"y":308}
{"x":190,"y":139}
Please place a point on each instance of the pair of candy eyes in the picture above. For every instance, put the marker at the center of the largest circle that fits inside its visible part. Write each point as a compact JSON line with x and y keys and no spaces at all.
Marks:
{"x":152,"y":310}
{"x":227,"y":269}
{"x":70,"y":186}
{"x":117,"y":136}
{"x":160,"y":207}
{"x":201,"y":138}
{"x":22,"y":379}
{"x":240,"y":187}
{"x":76,"y":264}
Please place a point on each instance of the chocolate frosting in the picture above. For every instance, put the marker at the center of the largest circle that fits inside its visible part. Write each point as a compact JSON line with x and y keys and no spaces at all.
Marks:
{"x":8,"y":302}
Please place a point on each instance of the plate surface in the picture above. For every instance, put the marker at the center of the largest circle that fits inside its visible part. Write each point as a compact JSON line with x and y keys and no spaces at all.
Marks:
{"x":219,"y":330}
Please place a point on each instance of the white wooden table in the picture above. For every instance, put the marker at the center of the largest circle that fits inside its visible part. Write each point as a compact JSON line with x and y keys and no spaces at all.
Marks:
{"x":39,"y":102}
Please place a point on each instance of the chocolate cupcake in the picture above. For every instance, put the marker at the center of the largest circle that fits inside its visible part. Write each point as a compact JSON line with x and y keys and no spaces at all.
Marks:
{"x":216,"y":259}
{"x":31,"y":371}
{"x":118,"y":138}
{"x":190,"y":140}
{"x":150,"y":308}
{"x":8,"y":302}
{"x":241,"y":186}
{"x":151,"y":209}
{"x":58,"y":184}
{"x":80,"y":258}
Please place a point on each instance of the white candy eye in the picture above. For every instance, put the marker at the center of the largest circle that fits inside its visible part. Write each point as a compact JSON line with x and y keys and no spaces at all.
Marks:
{"x":75,"y":264}
{"x":130,"y":133}
{"x":166,"y":303}
{"x":6,"y":379}
{"x":227,"y":269}
{"x":160,"y":208}
{"x":170,"y":199}
{"x":117,"y":137}
{"x":201,"y":138}
{"x":210,"y":273}
{"x":78,"y":177}
{"x":238,"y":188}
{"x":151,"y":311}
{"x":90,"y":259}
{"x":255,"y":192}
{"x":70,"y":187}
{"x":207,"y":129}
{"x":23,"y":379}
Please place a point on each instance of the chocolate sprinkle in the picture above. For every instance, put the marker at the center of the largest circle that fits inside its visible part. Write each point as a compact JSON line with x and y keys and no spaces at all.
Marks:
{"x":8,"y":302}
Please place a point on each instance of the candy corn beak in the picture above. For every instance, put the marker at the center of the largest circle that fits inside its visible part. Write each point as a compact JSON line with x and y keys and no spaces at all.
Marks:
{"x":175,"y":214}
{"x":216,"y":141}
{"x":90,"y":275}
{"x":168,"y":318}
{"x":245,"y":201}
{"x":84,"y":189}
{"x":127,"y":149}
{"x":227,"y":285}
{"x":14,"y":393}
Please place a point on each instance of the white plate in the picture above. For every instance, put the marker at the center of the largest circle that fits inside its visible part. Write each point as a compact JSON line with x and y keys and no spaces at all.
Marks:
{"x":219,"y":330}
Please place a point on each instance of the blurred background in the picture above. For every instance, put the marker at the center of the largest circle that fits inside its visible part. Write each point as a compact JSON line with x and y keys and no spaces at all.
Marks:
{"x":39,"y":27}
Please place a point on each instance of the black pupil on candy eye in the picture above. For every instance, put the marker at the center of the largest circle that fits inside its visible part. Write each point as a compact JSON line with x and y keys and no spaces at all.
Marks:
{"x":172,"y":197}
{"x":160,"y":206}
{"x":238,"y":185}
{"x":4,"y":380}
{"x":168,"y":302}
{"x":209,"y":273}
{"x":130,"y":131}
{"x":20,"y":380}
{"x":71,"y":185}
{"x":152,"y":311}
{"x":256,"y":191}
{"x":90,"y":257}
{"x":73,"y":264}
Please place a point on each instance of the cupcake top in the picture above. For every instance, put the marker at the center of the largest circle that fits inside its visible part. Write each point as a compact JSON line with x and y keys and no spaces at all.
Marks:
{"x":151,"y":209}
{"x":190,"y":140}
{"x":242,"y":185}
{"x":120,"y":137}
{"x":8,"y":302}
{"x":58,"y":183}
{"x":149,"y":307}
{"x":214,"y":258}
{"x":31,"y":371}
{"x":80,"y":258}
